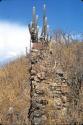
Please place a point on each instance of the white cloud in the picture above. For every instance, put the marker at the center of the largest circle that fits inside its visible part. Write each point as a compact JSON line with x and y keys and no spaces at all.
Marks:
{"x":13,"y":40}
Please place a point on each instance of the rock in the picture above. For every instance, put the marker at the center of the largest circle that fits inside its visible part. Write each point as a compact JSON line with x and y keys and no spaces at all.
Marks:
{"x":55,"y":88}
{"x":36,"y":79}
{"x":64,"y":99}
{"x":43,"y":102}
{"x":64,"y":111}
{"x":10,"y":111}
{"x":59,"y":72}
{"x":34,"y":50}
{"x":40,"y":92}
{"x":58,"y":101}
{"x":35,"y":95}
{"x":33,"y":61}
{"x":38,"y":113}
{"x":41,"y":75}
{"x":65,"y":88}
{"x":64,"y":81}
{"x":33,"y":72}
{"x":37,"y":105}
{"x":40,"y":120}
{"x":32,"y":78}
{"x":37,"y":121}
{"x":44,"y":118}
{"x":33,"y":86}
{"x":43,"y":68}
{"x":34,"y":83}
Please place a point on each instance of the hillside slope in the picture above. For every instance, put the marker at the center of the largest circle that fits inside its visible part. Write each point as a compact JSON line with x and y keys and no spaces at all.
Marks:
{"x":14,"y":91}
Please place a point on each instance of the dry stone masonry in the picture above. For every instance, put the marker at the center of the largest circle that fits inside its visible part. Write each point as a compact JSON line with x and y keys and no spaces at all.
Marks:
{"x":49,"y":90}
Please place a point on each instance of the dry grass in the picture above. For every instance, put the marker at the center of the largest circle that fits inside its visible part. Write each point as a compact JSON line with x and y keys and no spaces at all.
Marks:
{"x":14,"y":90}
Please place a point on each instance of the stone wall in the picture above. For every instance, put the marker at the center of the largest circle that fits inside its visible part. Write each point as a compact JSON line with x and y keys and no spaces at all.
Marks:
{"x":49,"y":90}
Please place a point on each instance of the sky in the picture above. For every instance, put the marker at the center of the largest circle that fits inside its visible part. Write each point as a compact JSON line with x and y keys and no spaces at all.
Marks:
{"x":15,"y":15}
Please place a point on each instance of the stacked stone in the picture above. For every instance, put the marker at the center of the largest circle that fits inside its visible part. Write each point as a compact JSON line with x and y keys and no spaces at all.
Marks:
{"x":38,"y":101}
{"x":57,"y":109}
{"x":49,"y":91}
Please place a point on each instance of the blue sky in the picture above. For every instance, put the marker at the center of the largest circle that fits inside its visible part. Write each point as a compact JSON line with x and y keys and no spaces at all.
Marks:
{"x":15,"y":15}
{"x":64,"y":14}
